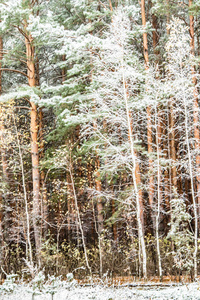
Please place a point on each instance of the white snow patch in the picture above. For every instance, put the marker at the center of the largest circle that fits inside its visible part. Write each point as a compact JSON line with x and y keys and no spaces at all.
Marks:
{"x":190,"y":291}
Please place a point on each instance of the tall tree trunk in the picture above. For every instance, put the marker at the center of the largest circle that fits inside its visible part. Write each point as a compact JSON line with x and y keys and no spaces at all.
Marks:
{"x":149,"y":126}
{"x":166,"y":151}
{"x":173,"y":147}
{"x":192,"y":186}
{"x":151,"y":178}
{"x":135,"y":176}
{"x":196,"y":137}
{"x":158,"y":143}
{"x":34,"y":145}
{"x":29,"y":255}
{"x":149,"y":121}
{"x":44,"y":198}
{"x":99,"y":198}
{"x":97,"y":174}
{"x":168,"y":16}
{"x":171,"y":136}
{"x":196,"y":110}
{"x":3,"y":164}
{"x":145,"y":41}
{"x":155,"y":37}
{"x":78,"y":215}
{"x":2,"y":129}
{"x":72,"y":214}
{"x":137,"y":184}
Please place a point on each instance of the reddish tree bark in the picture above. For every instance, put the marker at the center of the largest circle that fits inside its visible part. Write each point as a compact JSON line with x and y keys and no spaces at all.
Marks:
{"x":30,"y":55}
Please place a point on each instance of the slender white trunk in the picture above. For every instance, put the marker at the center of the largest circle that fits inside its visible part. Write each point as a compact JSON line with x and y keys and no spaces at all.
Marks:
{"x":192,"y":189}
{"x":191,"y":177}
{"x":25,"y":196}
{"x":79,"y":218}
{"x":136,"y":188}
{"x":159,"y":197}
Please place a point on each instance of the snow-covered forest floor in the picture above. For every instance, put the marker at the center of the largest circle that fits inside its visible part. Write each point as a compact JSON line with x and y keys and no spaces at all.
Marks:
{"x":76,"y":292}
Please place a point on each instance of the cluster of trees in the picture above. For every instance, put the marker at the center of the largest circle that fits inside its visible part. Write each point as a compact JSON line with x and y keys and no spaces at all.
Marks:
{"x":99,"y":137}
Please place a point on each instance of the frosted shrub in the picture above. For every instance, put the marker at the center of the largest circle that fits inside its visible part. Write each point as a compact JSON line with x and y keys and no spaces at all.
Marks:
{"x":180,"y":235}
{"x":37,"y":285}
{"x":71,"y":282}
{"x":38,"y":281}
{"x":9,"y":284}
{"x":52,"y":286}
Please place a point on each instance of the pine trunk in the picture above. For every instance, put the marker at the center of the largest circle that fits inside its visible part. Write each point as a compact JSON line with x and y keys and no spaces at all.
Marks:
{"x":149,"y":122}
{"x":34,"y":147}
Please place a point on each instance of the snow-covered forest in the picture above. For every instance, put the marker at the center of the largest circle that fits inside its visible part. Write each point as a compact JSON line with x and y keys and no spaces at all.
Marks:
{"x":100,"y":138}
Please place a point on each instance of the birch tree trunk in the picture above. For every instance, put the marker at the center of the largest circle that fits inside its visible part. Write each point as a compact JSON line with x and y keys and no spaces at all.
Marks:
{"x":79,"y":216}
{"x":2,"y":159}
{"x":149,"y":134}
{"x":28,"y":236}
{"x":192,"y":188}
{"x":173,"y":147}
{"x":158,"y":143}
{"x":135,"y":177}
{"x":44,"y":198}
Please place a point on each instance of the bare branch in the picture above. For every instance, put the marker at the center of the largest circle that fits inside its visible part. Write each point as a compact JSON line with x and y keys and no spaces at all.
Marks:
{"x":23,"y":107}
{"x":13,"y":70}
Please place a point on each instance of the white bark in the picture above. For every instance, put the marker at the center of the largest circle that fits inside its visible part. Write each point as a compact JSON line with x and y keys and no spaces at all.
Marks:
{"x":134,"y":162}
{"x":192,"y":188}
{"x":159,"y":198}
{"x":25,"y":197}
{"x":79,"y":218}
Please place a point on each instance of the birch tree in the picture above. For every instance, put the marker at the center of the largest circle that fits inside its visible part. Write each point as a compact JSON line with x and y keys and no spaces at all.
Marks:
{"x":179,"y":84}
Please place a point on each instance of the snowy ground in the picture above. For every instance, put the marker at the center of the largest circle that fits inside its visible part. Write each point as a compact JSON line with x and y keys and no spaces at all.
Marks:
{"x":190,"y":291}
